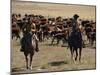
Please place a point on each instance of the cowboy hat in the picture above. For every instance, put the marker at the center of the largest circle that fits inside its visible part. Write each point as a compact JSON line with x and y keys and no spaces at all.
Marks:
{"x":76,"y":16}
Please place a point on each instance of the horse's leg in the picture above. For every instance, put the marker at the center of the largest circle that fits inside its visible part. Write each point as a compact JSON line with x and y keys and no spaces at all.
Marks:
{"x":71,"y":50}
{"x":37,"y":48}
{"x":42,"y":36}
{"x":83,"y":42}
{"x":88,"y":39}
{"x":92,"y":42}
{"x":58,"y":39}
{"x":26,"y":60}
{"x":76,"y":54}
{"x":17,"y":34}
{"x":31,"y":57}
{"x":52,"y":40}
{"x":12,"y":36}
{"x":80,"y":51}
{"x":47,"y":35}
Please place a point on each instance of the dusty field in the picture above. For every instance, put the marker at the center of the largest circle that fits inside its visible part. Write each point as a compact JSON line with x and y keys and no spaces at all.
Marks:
{"x":51,"y":58}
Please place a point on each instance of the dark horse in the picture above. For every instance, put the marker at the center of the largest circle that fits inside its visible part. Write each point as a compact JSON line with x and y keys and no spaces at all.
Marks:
{"x":29,"y":47}
{"x":75,"y":43}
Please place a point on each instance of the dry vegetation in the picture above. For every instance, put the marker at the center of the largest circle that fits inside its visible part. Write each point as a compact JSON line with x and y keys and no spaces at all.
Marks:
{"x":51,"y":58}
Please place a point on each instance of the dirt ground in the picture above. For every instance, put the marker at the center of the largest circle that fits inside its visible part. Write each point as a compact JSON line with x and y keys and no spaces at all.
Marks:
{"x":51,"y":58}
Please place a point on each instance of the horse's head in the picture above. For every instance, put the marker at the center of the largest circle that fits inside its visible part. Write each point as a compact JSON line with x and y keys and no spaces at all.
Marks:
{"x":34,"y":40}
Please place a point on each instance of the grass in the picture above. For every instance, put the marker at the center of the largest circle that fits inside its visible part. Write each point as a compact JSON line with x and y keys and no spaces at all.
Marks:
{"x":57,"y":58}
{"x":58,"y":63}
{"x":45,"y":66}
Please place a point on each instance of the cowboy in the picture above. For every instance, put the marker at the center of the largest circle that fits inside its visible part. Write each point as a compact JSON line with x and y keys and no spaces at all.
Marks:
{"x":26,"y":29}
{"x":76,"y":33}
{"x":75,"y":22}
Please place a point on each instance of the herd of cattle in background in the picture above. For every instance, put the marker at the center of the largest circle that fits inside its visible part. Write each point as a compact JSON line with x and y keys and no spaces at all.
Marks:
{"x":58,"y":28}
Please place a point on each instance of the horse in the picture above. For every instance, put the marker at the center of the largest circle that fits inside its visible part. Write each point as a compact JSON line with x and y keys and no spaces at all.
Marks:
{"x":29,"y":48}
{"x":75,"y":43}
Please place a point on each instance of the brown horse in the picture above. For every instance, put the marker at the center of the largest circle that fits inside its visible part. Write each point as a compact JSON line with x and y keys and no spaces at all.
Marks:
{"x":30,"y":50}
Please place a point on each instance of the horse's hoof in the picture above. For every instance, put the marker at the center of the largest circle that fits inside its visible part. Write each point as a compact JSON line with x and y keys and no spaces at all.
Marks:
{"x":30,"y":67}
{"x":75,"y":59}
{"x":37,"y":50}
{"x":27,"y":68}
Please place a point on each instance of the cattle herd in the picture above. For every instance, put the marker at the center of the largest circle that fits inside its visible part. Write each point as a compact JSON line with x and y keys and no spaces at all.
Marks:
{"x":56,"y":27}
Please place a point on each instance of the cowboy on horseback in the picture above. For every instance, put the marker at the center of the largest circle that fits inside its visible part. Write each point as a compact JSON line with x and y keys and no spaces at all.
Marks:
{"x":29,"y":31}
{"x":75,"y":26}
{"x":75,"y":39}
